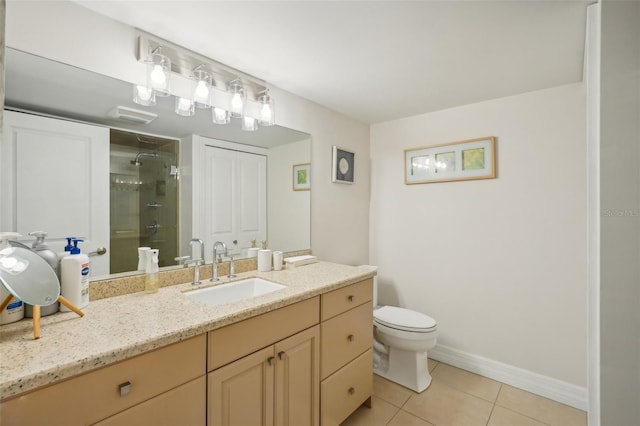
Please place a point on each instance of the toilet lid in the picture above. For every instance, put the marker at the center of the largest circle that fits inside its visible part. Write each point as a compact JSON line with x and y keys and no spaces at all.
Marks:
{"x":404,"y":319}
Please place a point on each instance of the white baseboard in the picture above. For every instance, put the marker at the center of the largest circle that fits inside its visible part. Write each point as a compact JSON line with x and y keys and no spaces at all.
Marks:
{"x":550,"y":388}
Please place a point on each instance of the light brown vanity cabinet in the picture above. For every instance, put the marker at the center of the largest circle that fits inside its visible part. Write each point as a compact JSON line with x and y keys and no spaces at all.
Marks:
{"x":265,"y":370}
{"x":160,"y":381}
{"x":346,"y":352}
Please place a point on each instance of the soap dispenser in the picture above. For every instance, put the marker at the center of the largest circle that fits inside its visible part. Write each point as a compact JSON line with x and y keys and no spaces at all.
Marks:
{"x":52,"y":258}
{"x":74,"y":278}
{"x":15,"y":309}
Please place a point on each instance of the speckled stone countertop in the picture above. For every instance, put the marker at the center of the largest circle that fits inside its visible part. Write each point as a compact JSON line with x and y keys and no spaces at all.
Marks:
{"x":117,"y":328}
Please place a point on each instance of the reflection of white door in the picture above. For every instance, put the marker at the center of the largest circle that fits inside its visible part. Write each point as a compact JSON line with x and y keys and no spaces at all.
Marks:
{"x":234,"y":208}
{"x":55,"y":178}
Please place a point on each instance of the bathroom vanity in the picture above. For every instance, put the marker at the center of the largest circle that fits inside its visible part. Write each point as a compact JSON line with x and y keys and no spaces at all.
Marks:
{"x":301,"y":355}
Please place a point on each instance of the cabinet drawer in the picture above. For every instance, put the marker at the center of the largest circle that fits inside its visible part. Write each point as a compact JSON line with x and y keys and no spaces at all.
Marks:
{"x":343,"y":392}
{"x":96,"y":395}
{"x":185,"y":405}
{"x":343,"y":299}
{"x":346,"y":336}
{"x":240,"y":339}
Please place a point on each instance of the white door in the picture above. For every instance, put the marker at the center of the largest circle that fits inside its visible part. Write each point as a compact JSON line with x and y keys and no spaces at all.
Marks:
{"x":55,"y":178}
{"x":235,"y":199}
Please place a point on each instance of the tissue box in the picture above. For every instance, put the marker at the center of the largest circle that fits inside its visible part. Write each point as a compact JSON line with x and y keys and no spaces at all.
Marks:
{"x":294,"y":262}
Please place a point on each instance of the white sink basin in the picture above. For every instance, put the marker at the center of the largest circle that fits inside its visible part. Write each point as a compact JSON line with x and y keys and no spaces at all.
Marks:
{"x":234,"y":291}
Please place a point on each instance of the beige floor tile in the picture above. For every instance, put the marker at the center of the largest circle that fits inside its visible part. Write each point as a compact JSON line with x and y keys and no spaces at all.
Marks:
{"x":380,"y":413}
{"x":431,"y":364}
{"x":503,"y":417}
{"x":539,"y":408}
{"x":446,"y":406}
{"x":405,"y":419}
{"x":390,"y":391}
{"x":465,"y":381}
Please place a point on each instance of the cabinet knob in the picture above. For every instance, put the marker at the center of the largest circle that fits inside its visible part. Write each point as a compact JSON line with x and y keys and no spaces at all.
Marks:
{"x":271,"y":359}
{"x":281,"y":354}
{"x":351,"y":337}
{"x":351,"y":298}
{"x":352,"y":390}
{"x":124,"y":388}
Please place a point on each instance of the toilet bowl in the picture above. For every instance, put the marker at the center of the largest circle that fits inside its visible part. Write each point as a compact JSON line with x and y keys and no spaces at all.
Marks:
{"x":402,"y":338}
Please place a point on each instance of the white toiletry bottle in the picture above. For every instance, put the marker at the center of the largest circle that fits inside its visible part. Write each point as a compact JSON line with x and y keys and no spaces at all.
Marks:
{"x":152,"y":280}
{"x":74,"y":278}
{"x":143,"y":254}
{"x":52,"y":258}
{"x":15,"y":309}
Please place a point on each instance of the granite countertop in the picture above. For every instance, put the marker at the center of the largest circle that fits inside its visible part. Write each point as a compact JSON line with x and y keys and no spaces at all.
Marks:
{"x":118,"y":328}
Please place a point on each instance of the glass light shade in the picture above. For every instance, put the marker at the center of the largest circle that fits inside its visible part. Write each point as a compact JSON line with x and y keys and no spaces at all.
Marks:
{"x":159,"y":74}
{"x":202,"y":81}
{"x":267,"y":110}
{"x":143,"y":95}
{"x":249,"y":124}
{"x":220,"y":116}
{"x":185,"y":107}
{"x":238,"y":99}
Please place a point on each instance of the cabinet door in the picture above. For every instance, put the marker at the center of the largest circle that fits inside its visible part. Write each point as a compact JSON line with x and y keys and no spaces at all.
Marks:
{"x":297,"y":379}
{"x":241,"y":393}
{"x":184,"y":405}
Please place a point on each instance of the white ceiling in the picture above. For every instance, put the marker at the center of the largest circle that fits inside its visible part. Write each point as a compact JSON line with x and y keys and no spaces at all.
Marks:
{"x":378,"y":61}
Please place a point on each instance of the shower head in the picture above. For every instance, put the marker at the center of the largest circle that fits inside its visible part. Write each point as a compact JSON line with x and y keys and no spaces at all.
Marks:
{"x":136,"y":161}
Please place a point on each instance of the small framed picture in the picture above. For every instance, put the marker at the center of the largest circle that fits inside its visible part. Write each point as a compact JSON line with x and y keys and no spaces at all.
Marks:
{"x":302,"y":177}
{"x":343,"y":166}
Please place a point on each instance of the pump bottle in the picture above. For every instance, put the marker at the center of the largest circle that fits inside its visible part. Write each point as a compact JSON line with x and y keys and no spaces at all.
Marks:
{"x":74,"y":278}
{"x":152,"y":280}
{"x":15,"y":310}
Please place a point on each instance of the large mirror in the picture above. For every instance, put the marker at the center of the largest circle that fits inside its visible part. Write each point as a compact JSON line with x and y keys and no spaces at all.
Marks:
{"x":170,"y":143}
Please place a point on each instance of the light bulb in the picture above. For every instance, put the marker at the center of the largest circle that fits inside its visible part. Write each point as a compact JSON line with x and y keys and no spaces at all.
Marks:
{"x":236,"y":102}
{"x":202,"y":91}
{"x":144,"y":93}
{"x":266,"y":112}
{"x":157,"y":76}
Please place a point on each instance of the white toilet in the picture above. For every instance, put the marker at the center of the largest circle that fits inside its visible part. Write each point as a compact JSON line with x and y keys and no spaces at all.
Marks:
{"x":402,"y":338}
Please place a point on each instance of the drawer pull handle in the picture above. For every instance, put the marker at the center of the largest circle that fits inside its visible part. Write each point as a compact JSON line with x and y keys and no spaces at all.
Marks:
{"x":270,"y":360}
{"x":352,"y":390}
{"x":281,"y":354}
{"x":125,"y":388}
{"x":351,"y":337}
{"x":351,"y":298}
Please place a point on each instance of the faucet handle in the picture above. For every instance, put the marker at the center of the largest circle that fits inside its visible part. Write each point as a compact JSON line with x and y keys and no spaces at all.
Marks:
{"x":232,"y":269}
{"x":183,"y":260}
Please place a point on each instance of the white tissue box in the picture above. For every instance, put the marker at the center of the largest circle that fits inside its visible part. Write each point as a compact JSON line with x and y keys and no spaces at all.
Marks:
{"x":293,"y":262}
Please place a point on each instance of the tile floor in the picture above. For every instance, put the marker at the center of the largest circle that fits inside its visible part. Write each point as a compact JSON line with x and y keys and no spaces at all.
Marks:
{"x":459,"y":398}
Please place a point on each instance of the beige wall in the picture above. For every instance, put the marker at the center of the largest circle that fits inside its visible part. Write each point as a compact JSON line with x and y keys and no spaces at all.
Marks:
{"x":500,"y":263}
{"x":620,"y":213}
{"x":339,"y":213}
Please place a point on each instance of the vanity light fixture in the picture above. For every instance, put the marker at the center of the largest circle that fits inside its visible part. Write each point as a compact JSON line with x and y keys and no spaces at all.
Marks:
{"x":185,"y":107}
{"x":238,"y":98}
{"x":203,"y":81}
{"x":220,"y":115}
{"x":267,"y":109}
{"x":159,"y":73}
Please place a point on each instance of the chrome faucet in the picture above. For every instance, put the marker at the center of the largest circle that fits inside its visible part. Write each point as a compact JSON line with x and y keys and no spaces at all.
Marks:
{"x":188,"y":261}
{"x":214,"y":276}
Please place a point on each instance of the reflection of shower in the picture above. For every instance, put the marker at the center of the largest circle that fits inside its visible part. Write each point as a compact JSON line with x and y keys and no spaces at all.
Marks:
{"x":137,"y":162}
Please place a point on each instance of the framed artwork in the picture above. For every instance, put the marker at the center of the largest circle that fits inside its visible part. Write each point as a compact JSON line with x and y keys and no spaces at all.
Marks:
{"x":464,"y":160}
{"x":302,"y":177}
{"x":343,"y":166}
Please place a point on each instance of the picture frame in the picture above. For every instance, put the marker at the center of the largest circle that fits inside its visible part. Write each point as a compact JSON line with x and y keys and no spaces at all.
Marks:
{"x":454,"y":161}
{"x":343,"y":170}
{"x":302,"y":177}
